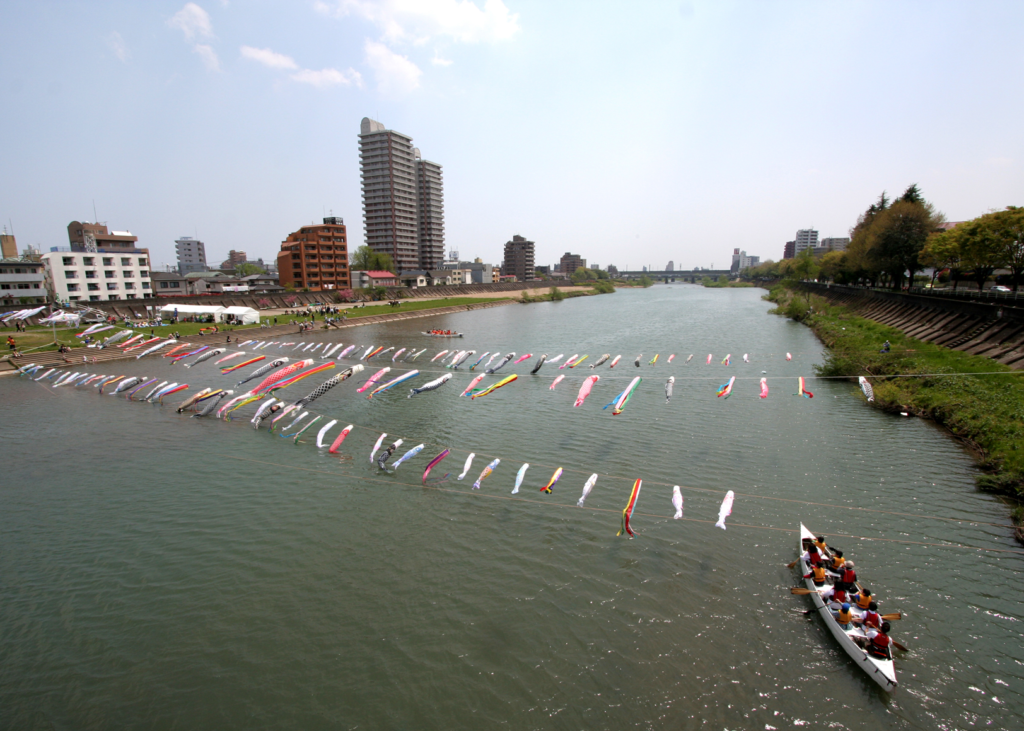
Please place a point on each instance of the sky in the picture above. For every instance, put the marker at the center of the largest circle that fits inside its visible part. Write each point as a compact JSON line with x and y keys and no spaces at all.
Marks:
{"x":628,"y":133}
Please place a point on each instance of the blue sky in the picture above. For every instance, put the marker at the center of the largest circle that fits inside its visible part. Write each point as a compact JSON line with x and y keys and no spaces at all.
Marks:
{"x":629,"y":133}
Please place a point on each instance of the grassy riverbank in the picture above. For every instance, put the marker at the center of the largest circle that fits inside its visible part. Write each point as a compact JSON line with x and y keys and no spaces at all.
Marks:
{"x":985,"y":412}
{"x":557,"y":295}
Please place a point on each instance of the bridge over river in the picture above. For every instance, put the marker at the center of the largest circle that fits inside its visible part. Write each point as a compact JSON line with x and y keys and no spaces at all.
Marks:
{"x":691,"y":276}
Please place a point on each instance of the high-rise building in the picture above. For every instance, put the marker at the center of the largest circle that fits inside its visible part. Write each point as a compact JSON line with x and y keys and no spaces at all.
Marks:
{"x":316,"y":257}
{"x":8,"y":246}
{"x":741,"y":261}
{"x":191,"y":255}
{"x":519,"y":259}
{"x":806,"y":238}
{"x":85,"y":236}
{"x":569,"y":263}
{"x":790,"y":250}
{"x":430,"y":212}
{"x":403,"y":198}
{"x":671,"y":266}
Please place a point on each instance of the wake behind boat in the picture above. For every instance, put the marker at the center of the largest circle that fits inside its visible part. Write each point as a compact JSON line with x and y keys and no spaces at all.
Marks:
{"x":882,"y":671}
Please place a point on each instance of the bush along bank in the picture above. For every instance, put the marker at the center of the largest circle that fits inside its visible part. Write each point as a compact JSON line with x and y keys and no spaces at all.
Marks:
{"x":984,"y":412}
{"x":557,"y":295}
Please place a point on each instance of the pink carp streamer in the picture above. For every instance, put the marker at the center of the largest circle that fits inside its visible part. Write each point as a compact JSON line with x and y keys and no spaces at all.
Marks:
{"x":522,"y":358}
{"x":764,"y":388}
{"x":373,"y":379}
{"x":434,"y":462}
{"x":285,"y":372}
{"x":472,"y":385}
{"x":557,"y":381}
{"x":341,"y":437}
{"x":709,"y":359}
{"x":585,"y":389}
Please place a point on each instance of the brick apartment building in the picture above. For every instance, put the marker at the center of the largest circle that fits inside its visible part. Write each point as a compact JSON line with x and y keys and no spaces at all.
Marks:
{"x":315,"y":257}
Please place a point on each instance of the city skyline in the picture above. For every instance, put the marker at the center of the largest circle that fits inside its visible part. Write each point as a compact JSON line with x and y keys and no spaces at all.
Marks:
{"x":200,"y":119}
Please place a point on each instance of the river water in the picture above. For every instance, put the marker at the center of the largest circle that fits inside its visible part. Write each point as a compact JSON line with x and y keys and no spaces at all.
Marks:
{"x":160,"y":572}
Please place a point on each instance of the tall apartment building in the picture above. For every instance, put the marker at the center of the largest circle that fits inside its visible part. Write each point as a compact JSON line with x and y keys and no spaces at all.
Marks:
{"x":403,"y":198}
{"x":21,"y":281}
{"x":569,"y":263}
{"x":806,"y":238}
{"x":430,"y":212}
{"x":790,"y":250}
{"x":234,"y":259}
{"x":518,"y":259}
{"x":316,"y":257}
{"x":191,"y":255}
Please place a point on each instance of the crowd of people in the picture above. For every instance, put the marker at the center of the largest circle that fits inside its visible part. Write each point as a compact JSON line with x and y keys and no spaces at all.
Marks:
{"x":829,"y":569}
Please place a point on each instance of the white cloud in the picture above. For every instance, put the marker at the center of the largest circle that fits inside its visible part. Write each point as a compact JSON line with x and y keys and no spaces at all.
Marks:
{"x":193,"y":21}
{"x":438,"y":61}
{"x":328,"y":77}
{"x":119,"y":47}
{"x":420,"y":20}
{"x":269,"y":58}
{"x":208,"y":55}
{"x":395,"y":74}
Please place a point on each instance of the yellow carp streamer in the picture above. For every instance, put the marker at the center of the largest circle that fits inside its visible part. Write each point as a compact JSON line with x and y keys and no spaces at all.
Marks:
{"x":495,"y":386}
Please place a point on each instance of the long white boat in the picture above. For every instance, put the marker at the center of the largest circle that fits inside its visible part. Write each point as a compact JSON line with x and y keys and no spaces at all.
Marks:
{"x":881,"y":671}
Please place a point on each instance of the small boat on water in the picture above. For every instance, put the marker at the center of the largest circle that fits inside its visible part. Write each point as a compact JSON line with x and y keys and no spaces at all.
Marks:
{"x":880,"y":670}
{"x":443,"y":335}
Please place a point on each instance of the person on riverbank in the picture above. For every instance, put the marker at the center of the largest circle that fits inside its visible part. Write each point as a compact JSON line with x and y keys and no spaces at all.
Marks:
{"x":11,"y":345}
{"x":885,"y":347}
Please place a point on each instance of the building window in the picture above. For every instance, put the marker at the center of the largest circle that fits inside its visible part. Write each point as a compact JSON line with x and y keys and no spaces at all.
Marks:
{"x":89,"y":261}
{"x":144,"y":274}
{"x":90,"y":275}
{"x":109,"y":274}
{"x":129,"y":285}
{"x":142,"y":263}
{"x":70,"y":274}
{"x":113,"y":297}
{"x":69,"y":261}
{"x":93,"y":287}
{"x":127,"y":274}
{"x":72,"y":288}
{"x":94,"y":298}
{"x":111,"y":286}
{"x":125,"y":261}
{"x":108,"y":261}
{"x":163,"y":285}
{"x":145,"y":285}
{"x":74,"y":298}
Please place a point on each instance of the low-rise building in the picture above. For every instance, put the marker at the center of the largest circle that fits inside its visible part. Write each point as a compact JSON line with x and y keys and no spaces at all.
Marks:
{"x":22,"y":281}
{"x":168,"y":284}
{"x":371,"y":278}
{"x":99,"y":274}
{"x":423,"y":278}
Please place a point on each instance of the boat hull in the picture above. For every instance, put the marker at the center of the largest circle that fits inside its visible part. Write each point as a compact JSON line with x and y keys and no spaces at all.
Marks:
{"x":437,"y":335}
{"x":883,"y":672}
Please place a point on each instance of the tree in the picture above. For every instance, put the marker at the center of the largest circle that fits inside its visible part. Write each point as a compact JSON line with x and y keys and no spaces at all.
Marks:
{"x":944,"y":251}
{"x":247,"y":268}
{"x":900,"y":232}
{"x":982,"y":253}
{"x":1007,"y":228}
{"x":365,"y":259}
{"x":861,"y":257}
{"x":833,"y":264}
{"x":804,"y":268}
{"x":645,"y":281}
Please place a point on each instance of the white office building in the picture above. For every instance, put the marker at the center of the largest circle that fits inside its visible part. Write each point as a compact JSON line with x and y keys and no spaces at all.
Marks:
{"x":835,"y":243}
{"x":191,"y":255}
{"x":806,"y":238}
{"x":97,"y":276}
{"x":21,"y":282}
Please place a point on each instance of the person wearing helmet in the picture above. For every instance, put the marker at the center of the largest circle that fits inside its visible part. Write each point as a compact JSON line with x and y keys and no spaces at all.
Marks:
{"x":843,"y":616}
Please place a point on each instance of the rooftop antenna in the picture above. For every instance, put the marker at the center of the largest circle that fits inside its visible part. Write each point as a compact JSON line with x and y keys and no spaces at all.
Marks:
{"x":95,"y":218}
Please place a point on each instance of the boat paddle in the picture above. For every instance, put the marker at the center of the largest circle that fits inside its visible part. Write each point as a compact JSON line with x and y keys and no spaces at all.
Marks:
{"x":791,"y":564}
{"x":898,"y":646}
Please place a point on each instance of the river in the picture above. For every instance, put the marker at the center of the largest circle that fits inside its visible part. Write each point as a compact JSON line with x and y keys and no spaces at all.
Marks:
{"x":161,"y":572}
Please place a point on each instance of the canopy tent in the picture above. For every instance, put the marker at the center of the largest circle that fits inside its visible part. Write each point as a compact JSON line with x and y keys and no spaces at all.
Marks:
{"x":245,"y":315}
{"x":191,"y":310}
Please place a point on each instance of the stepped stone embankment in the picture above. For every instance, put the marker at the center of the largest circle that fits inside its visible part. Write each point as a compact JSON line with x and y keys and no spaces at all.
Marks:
{"x":995,"y":331}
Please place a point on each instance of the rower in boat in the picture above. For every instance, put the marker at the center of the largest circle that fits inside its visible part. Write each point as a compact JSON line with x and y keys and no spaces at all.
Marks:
{"x":877,"y":642}
{"x":818,"y":574}
{"x":843,"y":615}
{"x":837,"y":594}
{"x":863,"y":599}
{"x":812,"y":556}
{"x":870,"y":617}
{"x":837,"y":561}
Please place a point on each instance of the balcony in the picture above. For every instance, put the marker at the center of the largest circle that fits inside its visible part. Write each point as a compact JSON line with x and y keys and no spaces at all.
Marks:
{"x":12,"y":277}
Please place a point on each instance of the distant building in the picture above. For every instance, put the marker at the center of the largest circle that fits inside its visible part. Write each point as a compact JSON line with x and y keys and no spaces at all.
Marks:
{"x":519,"y":259}
{"x":97,"y":276}
{"x":790,"y":251}
{"x":806,"y":238}
{"x":315,"y":257}
{"x":671,"y":266}
{"x":741,"y":261}
{"x":234,"y":259}
{"x":473,"y":272}
{"x":426,"y":278}
{"x":403,"y":198}
{"x":8,"y":246}
{"x":542,"y":269}
{"x":191,"y":255}
{"x":613,"y":271}
{"x":22,"y":281}
{"x":169,"y":284}
{"x":835,"y":244}
{"x":569,"y":263}
{"x":374,"y":279}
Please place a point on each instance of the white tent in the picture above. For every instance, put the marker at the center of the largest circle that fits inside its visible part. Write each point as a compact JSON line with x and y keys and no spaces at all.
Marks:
{"x":247,"y":315}
{"x":190,"y":310}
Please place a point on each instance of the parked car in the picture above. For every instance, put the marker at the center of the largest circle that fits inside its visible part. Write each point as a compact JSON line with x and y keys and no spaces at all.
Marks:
{"x":1000,"y":288}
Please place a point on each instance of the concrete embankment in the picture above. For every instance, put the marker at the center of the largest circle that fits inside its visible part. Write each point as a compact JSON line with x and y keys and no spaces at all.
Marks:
{"x":990,"y":330}
{"x":53,"y":359}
